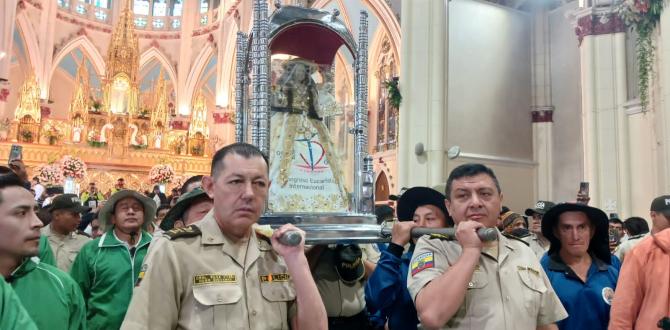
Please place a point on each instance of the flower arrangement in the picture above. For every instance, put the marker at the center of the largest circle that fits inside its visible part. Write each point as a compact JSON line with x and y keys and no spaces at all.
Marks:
{"x":161,"y":173}
{"x":50,"y":174}
{"x":73,"y":167}
{"x":52,"y":133}
{"x":26,"y":136}
{"x":93,"y":139}
{"x":393,"y":92}
{"x":95,"y":105}
{"x":642,"y":16}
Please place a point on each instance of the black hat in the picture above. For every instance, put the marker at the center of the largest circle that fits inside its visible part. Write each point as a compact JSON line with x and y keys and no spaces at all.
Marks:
{"x":599,"y":244}
{"x":349,"y":263}
{"x":541,"y":207}
{"x":660,"y":204}
{"x":68,"y":202}
{"x":419,"y":196}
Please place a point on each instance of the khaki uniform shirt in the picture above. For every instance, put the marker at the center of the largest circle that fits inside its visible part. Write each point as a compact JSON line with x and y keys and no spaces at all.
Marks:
{"x":539,"y":245}
{"x":339,"y":298}
{"x":197,"y":278}
{"x":512,"y":292}
{"x":65,"y":248}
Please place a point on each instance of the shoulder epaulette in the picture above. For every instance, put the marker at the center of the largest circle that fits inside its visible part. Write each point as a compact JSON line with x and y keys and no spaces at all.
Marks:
{"x":439,"y":236}
{"x":190,"y":231}
{"x":515,"y":238}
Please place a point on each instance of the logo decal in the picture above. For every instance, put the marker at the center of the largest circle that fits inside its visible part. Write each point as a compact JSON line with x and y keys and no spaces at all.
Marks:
{"x":281,"y":277}
{"x":608,"y":295}
{"x":423,"y":261}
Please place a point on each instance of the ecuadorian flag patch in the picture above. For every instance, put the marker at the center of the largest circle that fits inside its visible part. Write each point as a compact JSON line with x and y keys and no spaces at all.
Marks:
{"x":422,"y":261}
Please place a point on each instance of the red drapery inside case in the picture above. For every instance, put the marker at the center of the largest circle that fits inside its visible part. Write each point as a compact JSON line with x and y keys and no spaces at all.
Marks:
{"x":308,"y":41}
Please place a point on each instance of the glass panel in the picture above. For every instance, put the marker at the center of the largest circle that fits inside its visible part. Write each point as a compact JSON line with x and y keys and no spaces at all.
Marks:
{"x":308,"y":165}
{"x":81,"y":9}
{"x":101,"y":15}
{"x":204,"y":6}
{"x":203,"y":20}
{"x":176,"y":23}
{"x":141,"y":22}
{"x":158,"y":23}
{"x":64,"y":3}
{"x":176,"y":8}
{"x":101,"y":3}
{"x":141,"y":7}
{"x":160,"y":8}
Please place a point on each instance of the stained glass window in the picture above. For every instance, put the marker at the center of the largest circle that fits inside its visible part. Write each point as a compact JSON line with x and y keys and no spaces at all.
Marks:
{"x":141,"y":7}
{"x":160,"y":8}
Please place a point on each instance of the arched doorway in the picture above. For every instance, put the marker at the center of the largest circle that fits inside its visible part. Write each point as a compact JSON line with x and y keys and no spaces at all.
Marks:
{"x":382,"y":188}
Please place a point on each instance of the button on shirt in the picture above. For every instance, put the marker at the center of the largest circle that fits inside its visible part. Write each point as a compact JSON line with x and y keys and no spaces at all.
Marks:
{"x":588,"y":303}
{"x":508,"y":292}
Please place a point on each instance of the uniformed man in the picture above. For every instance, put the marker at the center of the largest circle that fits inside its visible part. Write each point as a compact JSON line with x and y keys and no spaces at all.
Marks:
{"x":62,"y":233}
{"x":191,"y":207}
{"x":108,"y":267}
{"x":218,"y":273}
{"x":12,"y":314}
{"x":469,"y":284}
{"x":538,"y":243}
{"x":52,"y":298}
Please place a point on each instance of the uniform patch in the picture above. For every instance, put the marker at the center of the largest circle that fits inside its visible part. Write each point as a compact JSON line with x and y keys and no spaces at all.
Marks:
{"x":280,"y":277}
{"x":608,"y":295}
{"x":423,"y":261}
{"x":143,"y":270}
{"x":190,"y":231}
{"x":203,"y":279}
{"x":530,"y":269}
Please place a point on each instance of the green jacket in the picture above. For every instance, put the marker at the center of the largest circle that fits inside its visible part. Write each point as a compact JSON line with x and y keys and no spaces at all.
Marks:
{"x":12,"y":314}
{"x":46,"y":254}
{"x":106,"y":273}
{"x":53,"y":298}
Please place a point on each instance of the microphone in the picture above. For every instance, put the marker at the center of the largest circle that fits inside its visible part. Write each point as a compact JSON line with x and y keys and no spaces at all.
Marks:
{"x":291,"y":238}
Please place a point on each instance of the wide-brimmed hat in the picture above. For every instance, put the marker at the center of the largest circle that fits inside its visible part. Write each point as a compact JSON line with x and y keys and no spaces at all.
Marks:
{"x":183,"y":203}
{"x":105,"y":214}
{"x":414,"y":197}
{"x":70,"y":202}
{"x":541,"y":207}
{"x":349,"y":263}
{"x":599,"y":244}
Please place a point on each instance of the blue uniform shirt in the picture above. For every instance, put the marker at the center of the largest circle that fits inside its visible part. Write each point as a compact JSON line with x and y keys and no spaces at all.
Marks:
{"x":386,"y":291}
{"x":587,"y":303}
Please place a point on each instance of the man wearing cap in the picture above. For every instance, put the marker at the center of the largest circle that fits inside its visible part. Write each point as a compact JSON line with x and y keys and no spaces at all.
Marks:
{"x":579,"y":264}
{"x":52,"y":298}
{"x":219,"y":273}
{"x":470,"y":284}
{"x":108,"y":267}
{"x":190,"y":208}
{"x":386,"y":289}
{"x":642,"y":296}
{"x":62,"y":233}
{"x":537,"y":242}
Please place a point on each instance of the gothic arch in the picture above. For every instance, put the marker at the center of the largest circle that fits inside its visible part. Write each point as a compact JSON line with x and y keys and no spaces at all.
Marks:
{"x":87,"y":47}
{"x":30,"y":45}
{"x":225,"y":83}
{"x":155,"y":53}
{"x":382,"y":189}
{"x":196,"y":72}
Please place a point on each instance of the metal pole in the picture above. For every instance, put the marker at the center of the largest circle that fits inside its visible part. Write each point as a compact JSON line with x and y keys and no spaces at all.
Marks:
{"x":264,"y":79}
{"x":255,"y":32}
{"x":361,"y":113}
{"x":240,"y":86}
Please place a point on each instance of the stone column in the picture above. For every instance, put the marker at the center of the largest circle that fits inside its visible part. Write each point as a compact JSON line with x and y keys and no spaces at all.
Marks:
{"x":189,"y":21}
{"x":605,"y":127}
{"x":45,"y":33}
{"x":423,"y":83}
{"x":662,"y":112}
{"x":542,"y":108}
{"x":7,"y":27}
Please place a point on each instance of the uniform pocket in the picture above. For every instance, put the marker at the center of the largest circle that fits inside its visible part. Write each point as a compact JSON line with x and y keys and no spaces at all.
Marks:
{"x":216,"y":304}
{"x":479,"y":280}
{"x":533,"y":287}
{"x":277,"y":291}
{"x":217,"y":294}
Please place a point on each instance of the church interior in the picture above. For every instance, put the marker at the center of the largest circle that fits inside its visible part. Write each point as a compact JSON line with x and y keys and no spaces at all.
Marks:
{"x":548,"y":93}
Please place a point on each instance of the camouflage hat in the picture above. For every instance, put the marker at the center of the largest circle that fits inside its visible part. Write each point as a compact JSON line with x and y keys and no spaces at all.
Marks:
{"x":183,"y":203}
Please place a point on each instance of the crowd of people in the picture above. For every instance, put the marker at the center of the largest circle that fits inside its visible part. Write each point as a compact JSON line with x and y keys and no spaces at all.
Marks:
{"x":197,"y":260}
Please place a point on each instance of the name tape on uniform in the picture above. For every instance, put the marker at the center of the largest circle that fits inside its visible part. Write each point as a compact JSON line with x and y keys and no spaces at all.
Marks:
{"x":281,"y":277}
{"x":423,"y":261}
{"x":203,"y":279}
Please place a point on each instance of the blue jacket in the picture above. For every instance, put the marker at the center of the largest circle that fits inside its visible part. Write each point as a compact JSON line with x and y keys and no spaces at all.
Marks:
{"x":386,"y":289}
{"x":587,"y":303}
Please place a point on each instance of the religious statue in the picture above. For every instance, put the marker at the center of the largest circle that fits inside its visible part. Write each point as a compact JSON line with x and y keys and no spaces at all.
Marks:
{"x":76,"y":134}
{"x":157,"y":140}
{"x":304,"y":164}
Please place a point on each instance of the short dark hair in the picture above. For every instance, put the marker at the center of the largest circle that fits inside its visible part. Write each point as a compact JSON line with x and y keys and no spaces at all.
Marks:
{"x":245,"y":150}
{"x":10,"y":180}
{"x":636,"y":226}
{"x":469,"y":170}
{"x":616,"y":220}
{"x":162,"y":207}
{"x":195,"y":178}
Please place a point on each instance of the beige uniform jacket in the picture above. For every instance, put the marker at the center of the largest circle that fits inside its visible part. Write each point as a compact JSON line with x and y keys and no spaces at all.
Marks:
{"x":196,"y":278}
{"x":540,"y":246}
{"x":64,"y":247}
{"x":512,"y":292}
